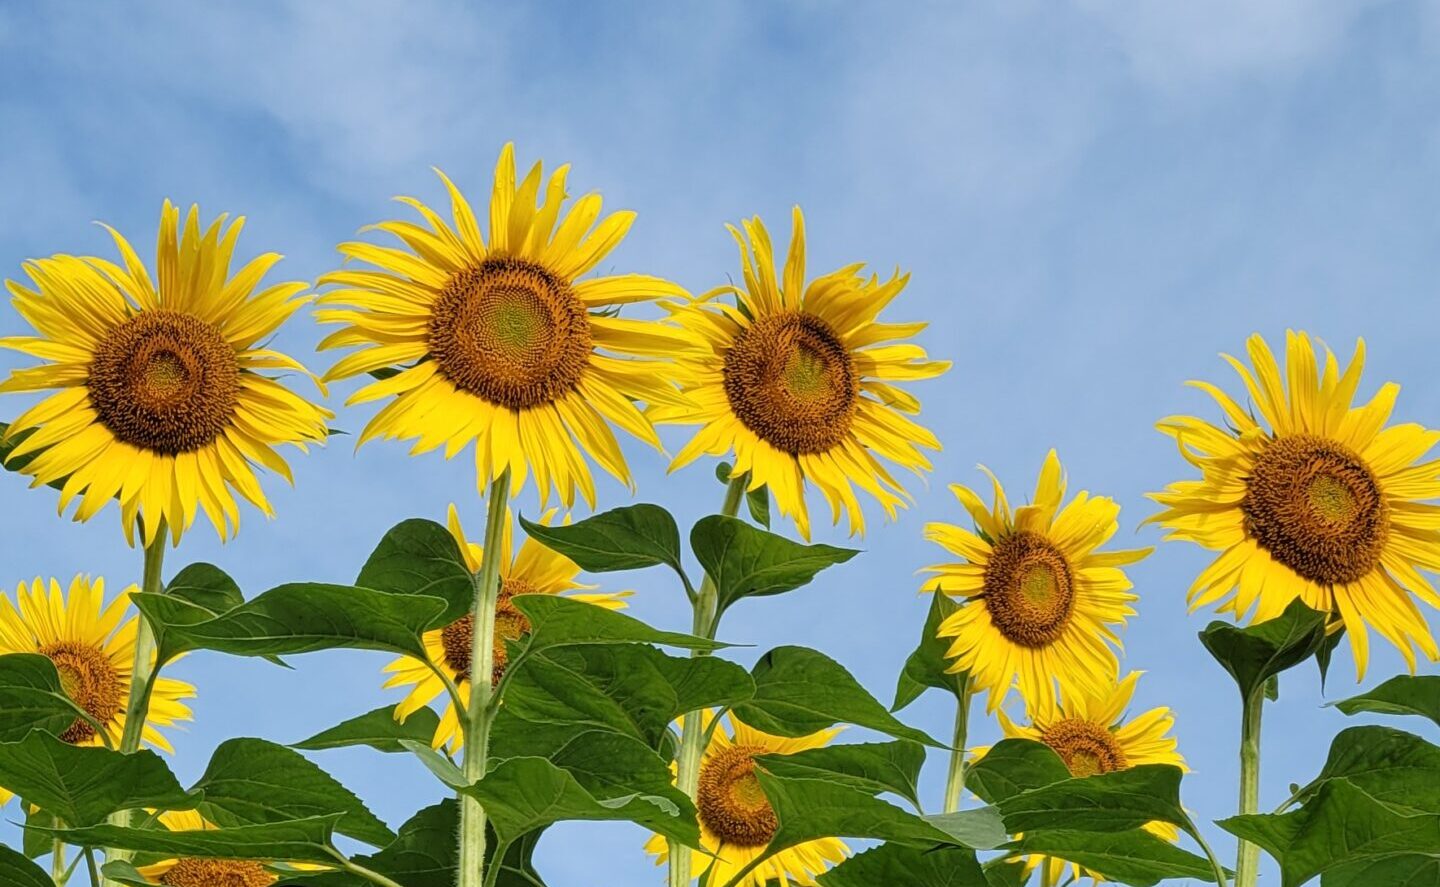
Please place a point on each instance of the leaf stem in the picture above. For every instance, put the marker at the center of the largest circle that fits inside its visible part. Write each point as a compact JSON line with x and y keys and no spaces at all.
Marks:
{"x":1247,"y":858}
{"x":1194,"y":831}
{"x":361,"y":871}
{"x":57,"y":862}
{"x":955,"y":779}
{"x":90,"y":864}
{"x":480,"y":712}
{"x":692,"y":730}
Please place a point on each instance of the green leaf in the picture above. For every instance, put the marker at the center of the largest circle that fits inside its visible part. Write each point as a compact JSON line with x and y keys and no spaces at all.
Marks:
{"x":1110,"y":802}
{"x":438,"y":764}
{"x":423,"y":854}
{"x":254,"y":782}
{"x":1405,"y":870}
{"x":1014,"y":766}
{"x":927,"y":666}
{"x":1133,"y":857}
{"x":1391,"y":766}
{"x":421,"y":557}
{"x":301,"y":840}
{"x":631,"y":689}
{"x":83,"y":785}
{"x":1401,"y":695}
{"x":1005,"y":872}
{"x":757,"y":501}
{"x":627,"y":538}
{"x":208,"y":591}
{"x":123,"y":872}
{"x":799,"y":691}
{"x":378,"y":729}
{"x":744,"y":561}
{"x":34,"y":842}
{"x":32,"y":697}
{"x":873,"y":767}
{"x":1340,"y":826}
{"x":300,"y":618}
{"x":17,"y":871}
{"x":1254,"y":655}
{"x":8,"y":445}
{"x":557,"y":621}
{"x":895,"y":865}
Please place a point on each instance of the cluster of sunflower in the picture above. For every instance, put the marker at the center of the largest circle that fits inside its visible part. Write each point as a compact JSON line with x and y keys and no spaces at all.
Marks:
{"x":161,"y":394}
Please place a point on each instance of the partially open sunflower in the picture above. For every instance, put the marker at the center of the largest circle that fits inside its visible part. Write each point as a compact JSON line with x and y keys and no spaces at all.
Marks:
{"x":497,"y":341}
{"x":1040,"y":602}
{"x":159,"y":396}
{"x":797,"y":381}
{"x":1312,"y":499}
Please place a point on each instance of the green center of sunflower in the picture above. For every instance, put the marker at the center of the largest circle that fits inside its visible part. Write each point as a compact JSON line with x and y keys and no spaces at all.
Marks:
{"x":90,"y":680}
{"x":457,"y":638}
{"x":791,"y":380}
{"x":1317,"y":508}
{"x":164,"y":381}
{"x":1087,"y":748}
{"x":730,"y":801}
{"x":510,"y":332}
{"x":189,"y":872}
{"x":1029,"y":589}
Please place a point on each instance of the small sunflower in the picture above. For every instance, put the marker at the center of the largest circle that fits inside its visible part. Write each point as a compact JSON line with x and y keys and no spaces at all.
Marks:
{"x":1091,"y":735}
{"x":1314,"y":499}
{"x":498,"y":342}
{"x":1040,"y":602}
{"x":534,"y":569}
{"x":158,"y":395}
{"x":737,"y":822}
{"x":94,"y":653}
{"x":196,"y":872}
{"x":797,"y":381}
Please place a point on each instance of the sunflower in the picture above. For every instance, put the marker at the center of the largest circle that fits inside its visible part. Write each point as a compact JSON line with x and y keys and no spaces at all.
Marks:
{"x":1040,"y":600}
{"x":534,"y":569}
{"x":158,"y":399}
{"x":736,"y":822}
{"x":94,"y":654}
{"x":195,"y":872}
{"x":1091,"y":735}
{"x":797,"y":382}
{"x":1315,"y":499}
{"x":498,"y":341}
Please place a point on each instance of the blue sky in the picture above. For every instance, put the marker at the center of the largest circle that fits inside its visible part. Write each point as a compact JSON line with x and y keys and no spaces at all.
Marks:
{"x":1095,"y":199}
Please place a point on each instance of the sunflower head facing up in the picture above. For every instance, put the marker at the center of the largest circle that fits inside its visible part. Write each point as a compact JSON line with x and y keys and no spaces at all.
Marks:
{"x":92,"y":645}
{"x":737,"y":822}
{"x":796,"y":382}
{"x":1092,"y":736}
{"x":197,"y":872}
{"x":497,"y":341}
{"x":1313,"y":499}
{"x":533,"y":569}
{"x":156,"y":392}
{"x":1039,"y":600}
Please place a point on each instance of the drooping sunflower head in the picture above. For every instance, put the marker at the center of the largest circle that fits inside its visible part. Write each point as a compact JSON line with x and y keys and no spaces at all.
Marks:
{"x":736,"y":820}
{"x":92,"y":645}
{"x":533,"y":569}
{"x":1312,"y":498}
{"x":158,"y":395}
{"x":498,"y":341}
{"x":796,"y":382}
{"x":1040,"y":601}
{"x":1092,"y":736}
{"x":190,"y":871}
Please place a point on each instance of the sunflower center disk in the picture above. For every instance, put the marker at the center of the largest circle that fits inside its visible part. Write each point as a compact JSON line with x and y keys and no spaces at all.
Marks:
{"x":730,"y":801}
{"x":1316,"y":507}
{"x":217,"y":873}
{"x":511,"y":333}
{"x":1029,"y":589}
{"x":457,"y":638}
{"x":791,"y":380}
{"x":1087,"y":748}
{"x":91,"y":682}
{"x":165,"y":382}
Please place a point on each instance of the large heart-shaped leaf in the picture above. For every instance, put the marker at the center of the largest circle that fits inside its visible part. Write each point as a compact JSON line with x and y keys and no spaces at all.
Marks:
{"x":901,"y":866}
{"x":927,"y":666}
{"x":302,"y":840}
{"x":1133,"y":857}
{"x":377,"y":729}
{"x":1109,"y":802}
{"x":1013,"y":766}
{"x":874,"y":767}
{"x":32,"y":697}
{"x":745,"y":561}
{"x":421,"y":557}
{"x":1256,"y":654}
{"x":1393,"y":767}
{"x":83,"y":785}
{"x":17,"y":871}
{"x":1401,"y":695}
{"x":557,"y":621}
{"x":627,"y":538}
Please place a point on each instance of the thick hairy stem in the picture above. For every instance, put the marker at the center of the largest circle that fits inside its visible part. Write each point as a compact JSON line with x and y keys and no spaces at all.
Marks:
{"x":1247,"y":860}
{"x":955,"y":779}
{"x":480,"y":712}
{"x":692,"y":730}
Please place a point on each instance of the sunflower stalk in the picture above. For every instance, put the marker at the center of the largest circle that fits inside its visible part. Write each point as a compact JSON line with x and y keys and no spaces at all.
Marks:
{"x":1247,"y":860}
{"x":480,"y":712}
{"x":955,"y":778}
{"x":692,"y":732}
{"x":58,"y":868}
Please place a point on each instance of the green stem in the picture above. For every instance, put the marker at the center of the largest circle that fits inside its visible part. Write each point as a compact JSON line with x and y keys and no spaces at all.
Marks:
{"x":480,"y":713}
{"x":57,"y":862}
{"x":692,"y":730}
{"x":361,"y":871}
{"x":90,"y":864}
{"x":1247,"y":859}
{"x":955,"y":779}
